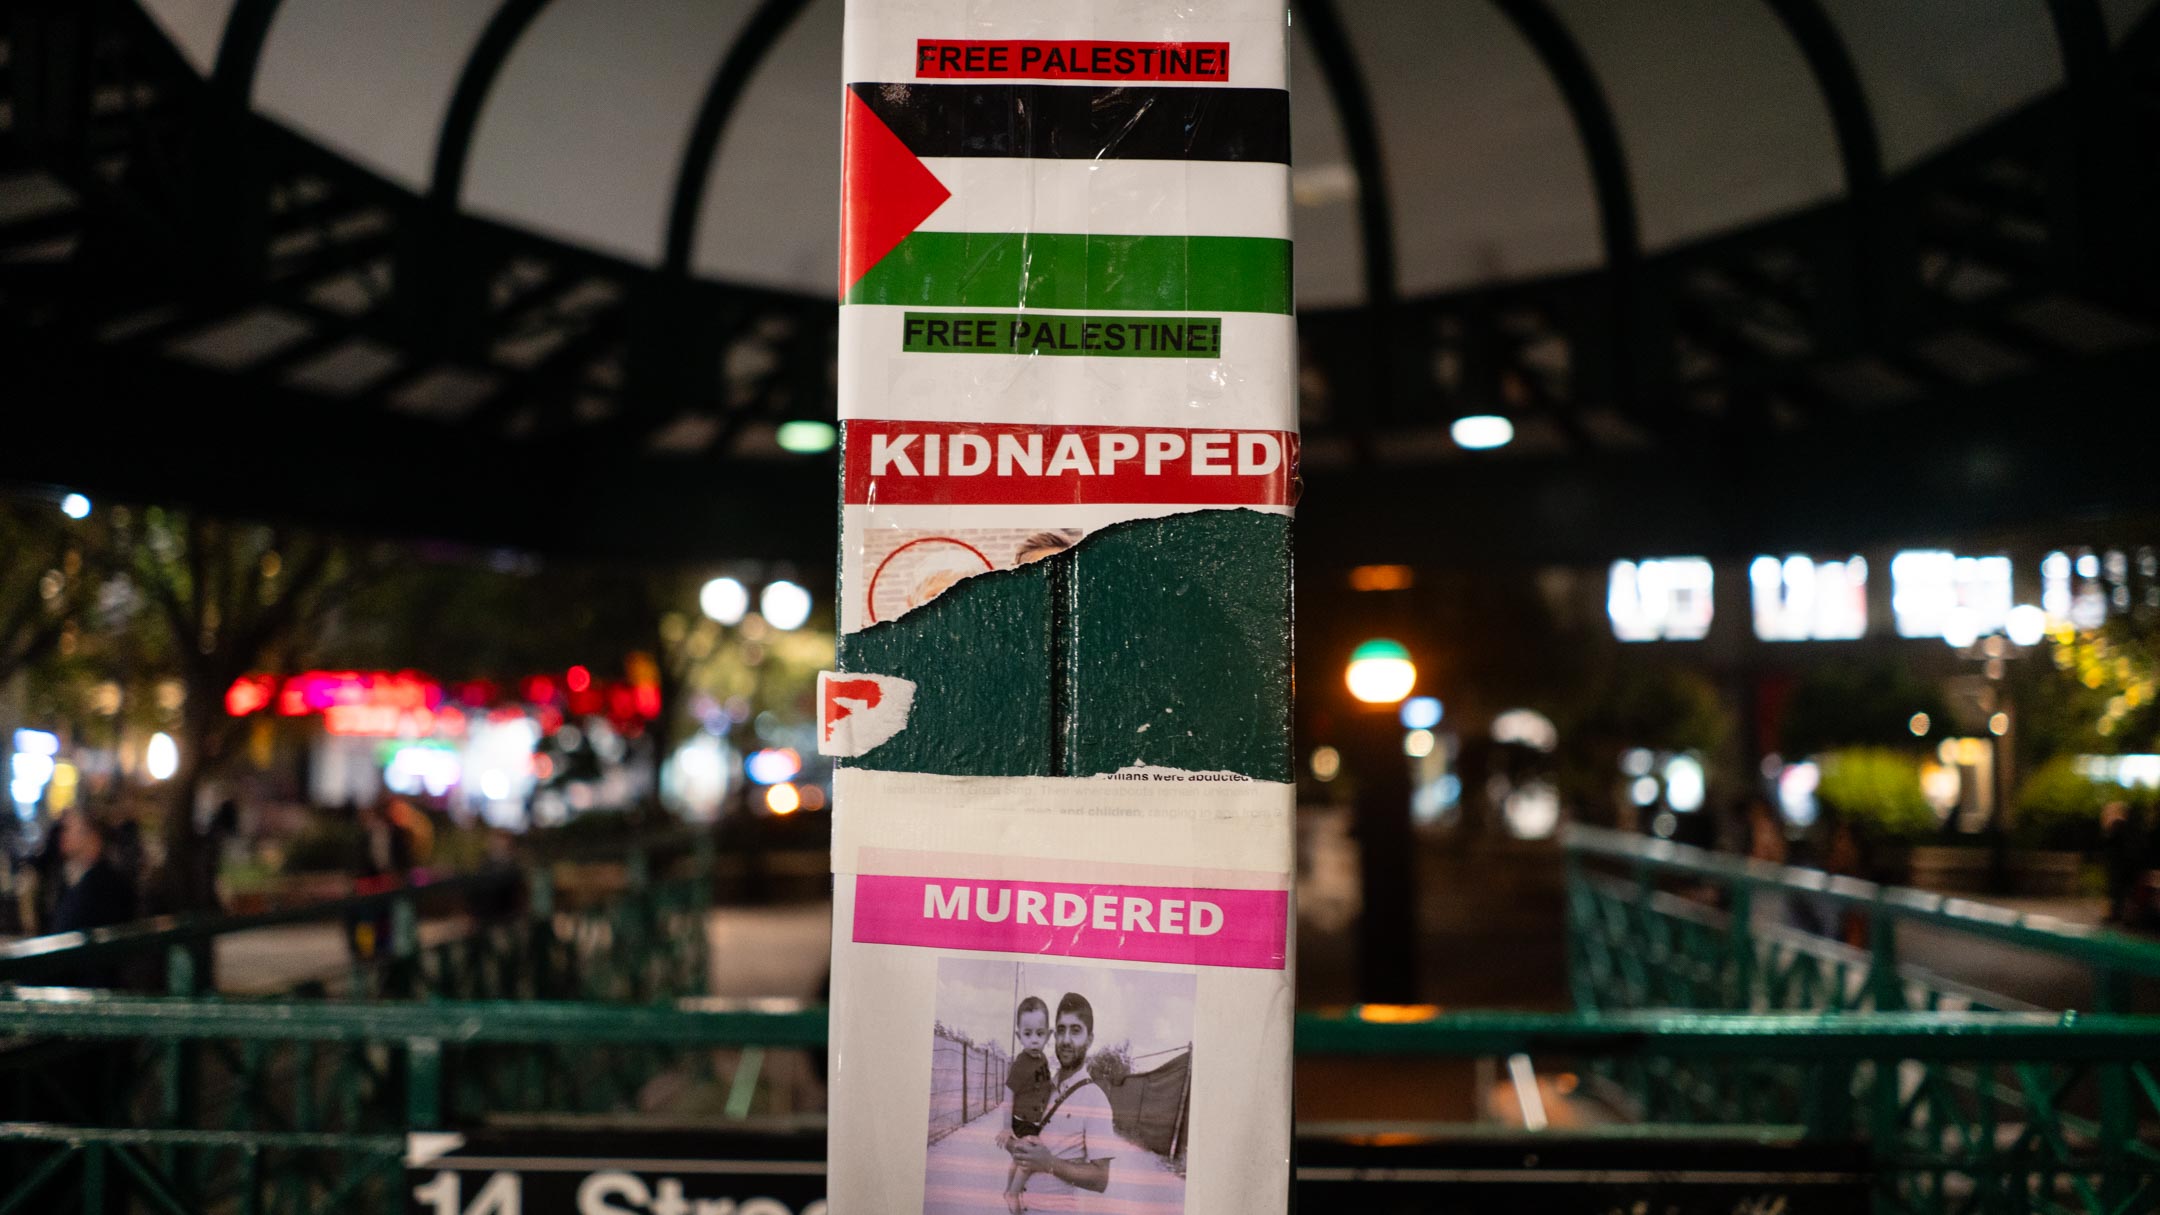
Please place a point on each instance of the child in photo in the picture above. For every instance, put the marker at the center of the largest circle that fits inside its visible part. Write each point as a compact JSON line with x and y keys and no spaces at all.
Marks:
{"x":1031,"y":1086}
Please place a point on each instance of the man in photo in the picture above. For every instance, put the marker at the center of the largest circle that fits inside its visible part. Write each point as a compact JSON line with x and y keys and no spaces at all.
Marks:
{"x":1069,"y":1162}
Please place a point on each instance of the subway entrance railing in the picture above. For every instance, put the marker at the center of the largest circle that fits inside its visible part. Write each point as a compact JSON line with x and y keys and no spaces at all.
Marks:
{"x":1691,"y":1030}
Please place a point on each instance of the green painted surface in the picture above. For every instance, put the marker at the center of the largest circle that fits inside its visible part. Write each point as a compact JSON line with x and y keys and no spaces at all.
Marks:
{"x":978,"y":655}
{"x":1082,"y":272}
{"x":1180,"y":646}
{"x":1062,"y":335}
{"x":1169,"y":639}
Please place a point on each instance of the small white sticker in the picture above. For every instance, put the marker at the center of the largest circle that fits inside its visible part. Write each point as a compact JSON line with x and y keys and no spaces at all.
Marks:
{"x":857,"y":712}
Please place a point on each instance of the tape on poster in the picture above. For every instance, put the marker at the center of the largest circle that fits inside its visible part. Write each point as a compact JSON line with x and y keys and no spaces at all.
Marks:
{"x":856,"y":712}
{"x":1243,"y":929}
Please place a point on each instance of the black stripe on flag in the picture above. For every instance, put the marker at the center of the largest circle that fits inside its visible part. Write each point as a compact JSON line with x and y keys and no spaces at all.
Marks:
{"x":1067,"y":122}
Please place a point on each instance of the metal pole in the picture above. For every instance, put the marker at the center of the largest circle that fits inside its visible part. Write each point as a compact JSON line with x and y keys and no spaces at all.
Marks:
{"x":1387,"y":926}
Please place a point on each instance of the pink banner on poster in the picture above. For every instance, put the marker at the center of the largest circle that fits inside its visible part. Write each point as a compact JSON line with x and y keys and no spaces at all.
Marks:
{"x":1193,"y":926}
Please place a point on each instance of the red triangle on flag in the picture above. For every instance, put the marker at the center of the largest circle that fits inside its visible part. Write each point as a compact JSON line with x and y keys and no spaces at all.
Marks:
{"x":885,"y":192}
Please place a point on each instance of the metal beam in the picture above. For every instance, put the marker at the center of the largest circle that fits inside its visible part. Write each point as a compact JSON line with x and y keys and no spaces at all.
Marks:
{"x":1619,"y":225}
{"x":1830,"y":62}
{"x":721,"y":96}
{"x":453,"y":146}
{"x":232,"y":76}
{"x":1631,"y":343}
{"x":1330,"y":42}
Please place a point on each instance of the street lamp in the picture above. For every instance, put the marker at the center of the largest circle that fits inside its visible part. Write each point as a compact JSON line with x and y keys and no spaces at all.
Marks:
{"x":2024,"y":627}
{"x":1380,"y":672}
{"x":724,"y":601}
{"x":1379,"y":676}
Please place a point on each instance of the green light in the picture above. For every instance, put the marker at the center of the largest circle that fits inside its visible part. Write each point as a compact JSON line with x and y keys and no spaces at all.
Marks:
{"x":1380,"y":672}
{"x":805,"y":437}
{"x":1380,"y":647}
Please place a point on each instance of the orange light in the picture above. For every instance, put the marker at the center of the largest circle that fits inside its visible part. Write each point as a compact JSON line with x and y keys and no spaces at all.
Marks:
{"x":783,"y":799}
{"x":362,"y":721}
{"x":1396,"y":1014}
{"x":813,"y":798}
{"x":248,"y":694}
{"x":1382,"y":578}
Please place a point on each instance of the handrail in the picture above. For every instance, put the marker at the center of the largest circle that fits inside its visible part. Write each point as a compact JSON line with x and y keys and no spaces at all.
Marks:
{"x":179,"y":929}
{"x":2099,"y":947}
{"x":1370,"y":1030}
{"x":168,"y":930}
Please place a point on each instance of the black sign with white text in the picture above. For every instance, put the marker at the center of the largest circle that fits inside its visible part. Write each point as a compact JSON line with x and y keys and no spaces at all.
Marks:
{"x":616,"y":1171}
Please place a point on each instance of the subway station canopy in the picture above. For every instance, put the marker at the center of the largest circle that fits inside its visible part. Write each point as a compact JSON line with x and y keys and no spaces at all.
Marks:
{"x":552,"y":273}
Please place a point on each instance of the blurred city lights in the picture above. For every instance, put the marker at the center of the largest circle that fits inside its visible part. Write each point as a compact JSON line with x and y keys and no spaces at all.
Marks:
{"x":724,"y":600}
{"x":1937,"y":593}
{"x":37,"y":742}
{"x":577,"y":679}
{"x":2026,"y":624}
{"x":1684,"y":783}
{"x":1919,"y":725}
{"x":1418,"y":744}
{"x":1382,"y":578}
{"x":1532,"y":812}
{"x":1528,"y":728}
{"x":783,"y":799}
{"x":773,"y":765}
{"x":1662,"y":599}
{"x":421,"y":768}
{"x":1326,"y":764}
{"x":1644,"y":791}
{"x":804,"y":437}
{"x":1482,"y":432}
{"x":32,"y":766}
{"x":1796,"y":793}
{"x":1999,"y":724}
{"x":1637,"y":762}
{"x":162,"y":757}
{"x":1422,"y":712}
{"x":75,"y":506}
{"x":1801,"y":599}
{"x":1380,"y":672}
{"x":27,"y":776}
{"x":784,"y":605}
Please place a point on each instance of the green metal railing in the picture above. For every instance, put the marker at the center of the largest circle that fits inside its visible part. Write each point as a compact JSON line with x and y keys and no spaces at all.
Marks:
{"x":1659,"y":926}
{"x":507,"y":934}
{"x":1699,"y":1014}
{"x":280,"y":1151}
{"x":1654,"y":924}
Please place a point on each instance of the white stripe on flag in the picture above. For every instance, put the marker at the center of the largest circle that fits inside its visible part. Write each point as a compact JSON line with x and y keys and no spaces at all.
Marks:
{"x":1125,"y":197}
{"x":1252,"y":387}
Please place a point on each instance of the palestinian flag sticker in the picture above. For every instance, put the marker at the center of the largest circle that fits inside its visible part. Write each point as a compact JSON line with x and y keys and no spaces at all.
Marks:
{"x":1067,"y":197}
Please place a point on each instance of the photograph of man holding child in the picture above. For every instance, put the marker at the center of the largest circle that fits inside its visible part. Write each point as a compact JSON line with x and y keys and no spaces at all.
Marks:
{"x":1052,"y":1114}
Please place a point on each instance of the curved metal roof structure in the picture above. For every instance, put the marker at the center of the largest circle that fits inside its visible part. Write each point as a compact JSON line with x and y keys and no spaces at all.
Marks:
{"x":550,"y":272}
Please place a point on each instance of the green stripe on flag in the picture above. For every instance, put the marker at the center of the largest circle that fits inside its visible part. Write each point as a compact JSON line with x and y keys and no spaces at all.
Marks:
{"x":1082,"y":272}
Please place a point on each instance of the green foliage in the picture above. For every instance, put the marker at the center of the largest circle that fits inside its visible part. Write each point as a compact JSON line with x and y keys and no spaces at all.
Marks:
{"x":1109,"y":1066}
{"x":1877,"y":790}
{"x":2059,"y":807}
{"x":1631,"y":704}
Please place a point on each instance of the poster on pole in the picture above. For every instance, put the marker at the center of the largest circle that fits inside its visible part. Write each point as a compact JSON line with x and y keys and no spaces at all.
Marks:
{"x":1062,"y":942}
